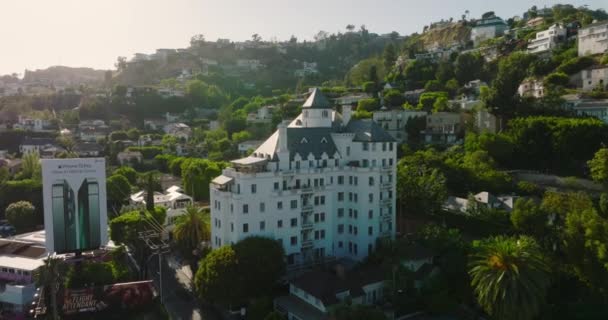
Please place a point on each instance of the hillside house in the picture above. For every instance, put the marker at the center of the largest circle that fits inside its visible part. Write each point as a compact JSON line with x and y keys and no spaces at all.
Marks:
{"x":394,"y":121}
{"x":595,"y":77}
{"x":487,"y":28}
{"x":593,"y":39}
{"x":531,"y":88}
{"x":443,"y":128}
{"x":547,"y":40}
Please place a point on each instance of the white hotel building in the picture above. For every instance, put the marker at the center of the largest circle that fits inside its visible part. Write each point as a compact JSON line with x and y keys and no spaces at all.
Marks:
{"x":322,"y":185}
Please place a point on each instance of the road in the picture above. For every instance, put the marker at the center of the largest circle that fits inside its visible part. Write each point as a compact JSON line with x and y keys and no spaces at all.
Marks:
{"x":177,"y":292}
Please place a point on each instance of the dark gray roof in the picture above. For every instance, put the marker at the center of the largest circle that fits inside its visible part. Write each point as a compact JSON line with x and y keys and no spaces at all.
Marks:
{"x":316,"y":100}
{"x":310,"y":140}
{"x":38,"y":141}
{"x":366,"y":130}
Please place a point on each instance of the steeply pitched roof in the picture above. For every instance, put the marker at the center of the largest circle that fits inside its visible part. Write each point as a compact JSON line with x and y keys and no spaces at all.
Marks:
{"x":310,"y":140}
{"x":316,"y":100}
{"x":366,"y":130}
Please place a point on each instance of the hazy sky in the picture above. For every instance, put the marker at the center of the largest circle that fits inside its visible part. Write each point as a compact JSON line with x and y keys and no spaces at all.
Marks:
{"x":92,"y":33}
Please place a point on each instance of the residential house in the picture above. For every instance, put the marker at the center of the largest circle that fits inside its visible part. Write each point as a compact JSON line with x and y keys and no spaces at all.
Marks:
{"x":413,"y":96}
{"x":128,"y":157}
{"x":13,"y":166}
{"x":179,"y":130}
{"x":88,"y":149}
{"x":593,"y":39}
{"x":19,"y":261}
{"x":174,"y":200}
{"x":590,"y":108}
{"x":36,"y":144}
{"x":531,"y":88}
{"x":487,"y":122}
{"x":308,"y":68}
{"x":306,"y":185}
{"x":487,"y":28}
{"x":443,"y":128}
{"x":486,"y":199}
{"x":249,"y":64}
{"x":313,"y":294}
{"x":394,"y":121}
{"x":262,"y":115}
{"x":246,"y":146}
{"x":547,"y":40}
{"x":535,"y":22}
{"x":465,"y":102}
{"x":419,"y":260}
{"x":170,"y":92}
{"x":438,"y":54}
{"x":155,"y":123}
{"x":474,"y":86}
{"x":595,"y":77}
{"x":33,"y":124}
{"x":92,"y":134}
{"x":351,"y":99}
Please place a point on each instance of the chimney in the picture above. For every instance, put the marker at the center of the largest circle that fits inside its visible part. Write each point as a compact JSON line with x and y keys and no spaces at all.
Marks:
{"x":347,"y":111}
{"x":282,"y":140}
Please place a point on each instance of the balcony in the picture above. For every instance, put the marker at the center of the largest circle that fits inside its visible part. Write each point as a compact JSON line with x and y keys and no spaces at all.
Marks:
{"x":307,"y":207}
{"x":386,"y":168}
{"x":307,"y":189}
{"x":387,"y":217}
{"x":306,"y":225}
{"x":386,"y":184}
{"x":307,"y":243}
{"x":386,"y":202}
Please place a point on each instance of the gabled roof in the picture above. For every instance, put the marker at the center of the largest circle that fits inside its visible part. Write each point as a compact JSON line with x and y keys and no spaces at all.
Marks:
{"x":366,"y":130}
{"x":317,"y":100}
{"x":305,"y":141}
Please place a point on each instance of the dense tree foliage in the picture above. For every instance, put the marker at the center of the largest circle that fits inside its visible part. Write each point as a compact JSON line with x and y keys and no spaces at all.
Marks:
{"x":21,"y":215}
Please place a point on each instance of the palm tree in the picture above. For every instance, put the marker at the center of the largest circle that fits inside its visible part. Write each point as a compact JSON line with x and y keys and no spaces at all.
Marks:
{"x":50,"y":276}
{"x":192,"y":228}
{"x":510,"y":277}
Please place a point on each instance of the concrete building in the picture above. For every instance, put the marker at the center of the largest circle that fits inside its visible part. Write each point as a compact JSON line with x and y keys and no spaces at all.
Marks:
{"x":322,"y":185}
{"x":179,"y":130}
{"x":36,"y":144}
{"x":487,"y":28}
{"x":34,"y":124}
{"x":487,"y":122}
{"x":531,"y":88}
{"x":394,"y":121}
{"x":262,"y":115}
{"x":548,"y":39}
{"x":591,"y":108}
{"x":18,"y":262}
{"x":596,"y":77}
{"x":128,"y":157}
{"x":593,"y":39}
{"x":443,"y":128}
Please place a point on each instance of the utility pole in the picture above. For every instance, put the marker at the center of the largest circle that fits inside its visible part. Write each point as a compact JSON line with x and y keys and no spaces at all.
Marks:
{"x":154,"y":241}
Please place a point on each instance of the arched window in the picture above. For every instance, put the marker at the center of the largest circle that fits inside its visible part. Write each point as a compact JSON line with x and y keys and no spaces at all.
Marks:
{"x":298,"y":122}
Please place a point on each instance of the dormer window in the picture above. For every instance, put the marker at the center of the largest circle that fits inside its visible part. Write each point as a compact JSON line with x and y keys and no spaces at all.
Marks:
{"x":323,"y":140}
{"x":298,"y":122}
{"x":304,"y":140}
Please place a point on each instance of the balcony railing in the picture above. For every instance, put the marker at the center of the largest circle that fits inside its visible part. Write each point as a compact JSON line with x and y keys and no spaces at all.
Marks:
{"x":307,"y":225}
{"x":386,"y":184}
{"x":307,"y":243}
{"x":307,"y":207}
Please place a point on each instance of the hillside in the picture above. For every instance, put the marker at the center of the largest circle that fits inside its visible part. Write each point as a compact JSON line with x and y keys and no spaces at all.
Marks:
{"x":61,"y":75}
{"x":451,"y":34}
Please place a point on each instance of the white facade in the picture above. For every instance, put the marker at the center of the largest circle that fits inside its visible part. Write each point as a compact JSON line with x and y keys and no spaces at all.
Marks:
{"x":548,"y":39}
{"x":322,"y":186}
{"x":594,"y":78}
{"x":593,"y":39}
{"x":531,"y":88}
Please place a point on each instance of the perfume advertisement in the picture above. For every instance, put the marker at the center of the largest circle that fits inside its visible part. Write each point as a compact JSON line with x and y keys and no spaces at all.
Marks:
{"x":75,"y":213}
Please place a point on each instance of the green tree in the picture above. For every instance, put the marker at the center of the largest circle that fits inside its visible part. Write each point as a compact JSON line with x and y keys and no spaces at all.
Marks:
{"x":510,"y":277}
{"x":389,"y":56}
{"x":511,"y":72}
{"x":241,"y":136}
{"x":394,"y":98}
{"x":420,"y":190}
{"x":90,"y":274}
{"x":215,"y":279}
{"x":50,"y":276}
{"x":21,"y":215}
{"x":128,"y":173}
{"x":197,"y":174}
{"x":118,"y":190}
{"x":192,"y":228}
{"x":527,"y":217}
{"x":262,"y":261}
{"x":599,"y":166}
{"x":30,"y":166}
{"x":468,"y":67}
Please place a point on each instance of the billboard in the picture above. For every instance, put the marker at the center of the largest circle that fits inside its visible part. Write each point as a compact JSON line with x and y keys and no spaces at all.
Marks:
{"x":116,"y":297}
{"x":74,"y":198}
